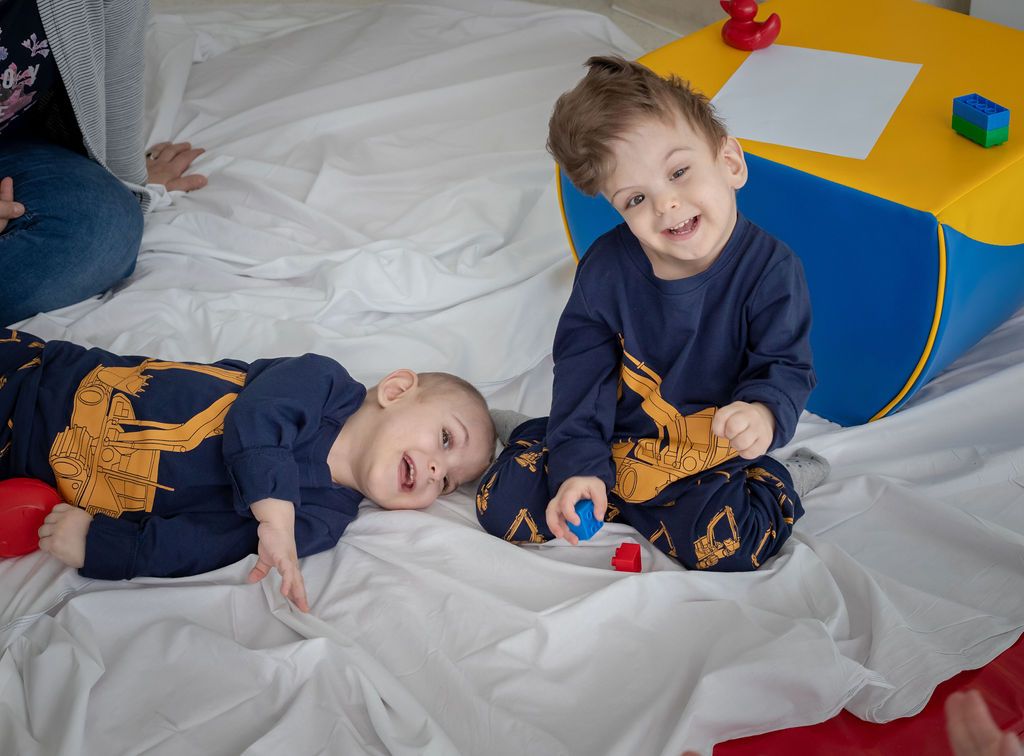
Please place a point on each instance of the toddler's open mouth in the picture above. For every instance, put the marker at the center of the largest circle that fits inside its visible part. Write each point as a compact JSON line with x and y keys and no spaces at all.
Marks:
{"x":686,"y":228}
{"x":407,"y":473}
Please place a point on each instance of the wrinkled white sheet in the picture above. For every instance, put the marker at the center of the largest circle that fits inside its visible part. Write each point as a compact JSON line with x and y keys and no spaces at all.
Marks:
{"x":379,"y":192}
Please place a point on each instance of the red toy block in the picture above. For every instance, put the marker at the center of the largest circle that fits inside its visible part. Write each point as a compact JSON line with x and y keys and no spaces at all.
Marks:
{"x":24,"y":504}
{"x":627,"y":558}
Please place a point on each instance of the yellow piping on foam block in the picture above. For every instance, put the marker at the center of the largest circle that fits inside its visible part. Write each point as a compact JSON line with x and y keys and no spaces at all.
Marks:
{"x":561,"y":209}
{"x":939,"y":299}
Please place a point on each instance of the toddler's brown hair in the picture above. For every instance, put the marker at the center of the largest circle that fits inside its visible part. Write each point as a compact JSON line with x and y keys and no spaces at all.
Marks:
{"x":613,"y":96}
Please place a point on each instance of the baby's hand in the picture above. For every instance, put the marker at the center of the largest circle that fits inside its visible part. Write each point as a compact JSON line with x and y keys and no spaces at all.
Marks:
{"x":277,"y":549}
{"x":63,"y":533}
{"x":749,"y":428}
{"x":563,"y":506}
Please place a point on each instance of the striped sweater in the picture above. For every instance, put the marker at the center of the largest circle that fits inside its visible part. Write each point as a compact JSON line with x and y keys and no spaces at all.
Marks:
{"x":99,"y":47}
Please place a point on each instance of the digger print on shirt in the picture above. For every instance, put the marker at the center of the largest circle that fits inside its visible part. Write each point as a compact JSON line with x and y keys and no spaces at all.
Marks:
{"x":684,"y":445}
{"x":107,"y":460}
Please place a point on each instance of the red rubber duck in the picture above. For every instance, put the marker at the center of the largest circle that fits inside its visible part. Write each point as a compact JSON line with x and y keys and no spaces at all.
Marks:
{"x":742,"y":31}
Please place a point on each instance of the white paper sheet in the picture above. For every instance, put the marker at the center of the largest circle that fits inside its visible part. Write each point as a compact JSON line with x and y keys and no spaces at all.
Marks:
{"x":814,"y":99}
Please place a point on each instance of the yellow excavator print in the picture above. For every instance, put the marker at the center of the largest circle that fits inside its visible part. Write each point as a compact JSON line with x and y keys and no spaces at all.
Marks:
{"x":7,"y":447}
{"x":755,"y":557}
{"x":685,"y":444}
{"x":662,"y":532}
{"x":102,"y":466}
{"x":709,"y":550}
{"x":484,"y":494}
{"x":763,"y":476}
{"x":521,"y":518}
{"x":528,"y":460}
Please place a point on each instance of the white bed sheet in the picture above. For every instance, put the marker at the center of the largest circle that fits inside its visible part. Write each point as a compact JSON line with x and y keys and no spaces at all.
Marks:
{"x":379,"y":192}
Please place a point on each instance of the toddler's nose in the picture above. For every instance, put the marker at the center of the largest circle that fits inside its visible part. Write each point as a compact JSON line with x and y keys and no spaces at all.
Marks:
{"x":666,"y":201}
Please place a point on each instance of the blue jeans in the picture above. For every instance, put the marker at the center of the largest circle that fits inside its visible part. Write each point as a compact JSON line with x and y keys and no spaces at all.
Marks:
{"x":79,"y":235}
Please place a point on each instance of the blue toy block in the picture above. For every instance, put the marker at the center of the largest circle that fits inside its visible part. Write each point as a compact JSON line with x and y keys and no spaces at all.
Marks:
{"x":588,"y":524}
{"x":981,"y":112}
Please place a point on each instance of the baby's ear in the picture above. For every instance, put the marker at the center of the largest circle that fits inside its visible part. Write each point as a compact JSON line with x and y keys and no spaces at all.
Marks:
{"x":396,"y":385}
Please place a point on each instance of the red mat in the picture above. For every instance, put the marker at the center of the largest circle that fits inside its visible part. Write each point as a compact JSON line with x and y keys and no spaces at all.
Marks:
{"x":1001,"y":683}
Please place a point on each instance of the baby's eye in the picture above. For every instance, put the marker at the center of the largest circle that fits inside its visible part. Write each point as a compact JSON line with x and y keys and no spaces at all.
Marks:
{"x":635,"y":200}
{"x":446,"y":438}
{"x":678,"y":173}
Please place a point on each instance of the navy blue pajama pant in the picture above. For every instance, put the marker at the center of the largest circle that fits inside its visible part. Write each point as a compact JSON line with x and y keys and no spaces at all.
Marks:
{"x":731,"y":517}
{"x":19,"y":353}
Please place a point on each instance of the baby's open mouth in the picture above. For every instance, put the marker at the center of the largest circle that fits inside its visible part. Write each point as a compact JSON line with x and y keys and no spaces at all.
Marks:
{"x":686,"y":227}
{"x":407,"y":473}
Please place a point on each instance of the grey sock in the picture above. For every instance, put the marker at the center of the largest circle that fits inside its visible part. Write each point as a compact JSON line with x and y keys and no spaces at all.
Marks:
{"x":506,"y":421}
{"x":807,"y":469}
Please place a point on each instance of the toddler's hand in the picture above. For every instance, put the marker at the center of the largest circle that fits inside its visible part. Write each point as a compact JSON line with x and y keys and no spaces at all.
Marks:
{"x":563,"y":506}
{"x":63,"y":533}
{"x":749,"y":428}
{"x":277,"y":549}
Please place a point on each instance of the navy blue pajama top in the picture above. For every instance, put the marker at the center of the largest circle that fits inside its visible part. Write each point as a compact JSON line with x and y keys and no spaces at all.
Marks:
{"x":169,"y":456}
{"x":643,"y":363}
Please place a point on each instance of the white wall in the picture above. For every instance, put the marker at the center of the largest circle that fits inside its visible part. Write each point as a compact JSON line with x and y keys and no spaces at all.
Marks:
{"x":686,"y":16}
{"x":958,"y":5}
{"x":1009,"y":12}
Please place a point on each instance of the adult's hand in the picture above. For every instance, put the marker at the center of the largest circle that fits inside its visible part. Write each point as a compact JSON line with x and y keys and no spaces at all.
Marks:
{"x":166,"y":164}
{"x":9,"y":209}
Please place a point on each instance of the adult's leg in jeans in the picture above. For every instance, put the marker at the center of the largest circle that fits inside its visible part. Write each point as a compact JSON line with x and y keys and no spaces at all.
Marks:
{"x":79,"y":235}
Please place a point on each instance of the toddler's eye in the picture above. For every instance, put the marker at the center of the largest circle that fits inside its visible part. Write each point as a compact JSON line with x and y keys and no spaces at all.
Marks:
{"x":446,"y":438}
{"x":635,"y":200}
{"x":679,"y":173}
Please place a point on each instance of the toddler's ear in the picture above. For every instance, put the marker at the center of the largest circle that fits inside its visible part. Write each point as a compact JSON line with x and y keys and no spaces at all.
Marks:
{"x":735,"y":162}
{"x":396,"y":385}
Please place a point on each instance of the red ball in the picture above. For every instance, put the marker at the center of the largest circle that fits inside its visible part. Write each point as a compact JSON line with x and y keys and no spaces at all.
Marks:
{"x":24,"y":504}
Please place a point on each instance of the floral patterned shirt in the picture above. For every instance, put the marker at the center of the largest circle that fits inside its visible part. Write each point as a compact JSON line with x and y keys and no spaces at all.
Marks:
{"x":28,"y":74}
